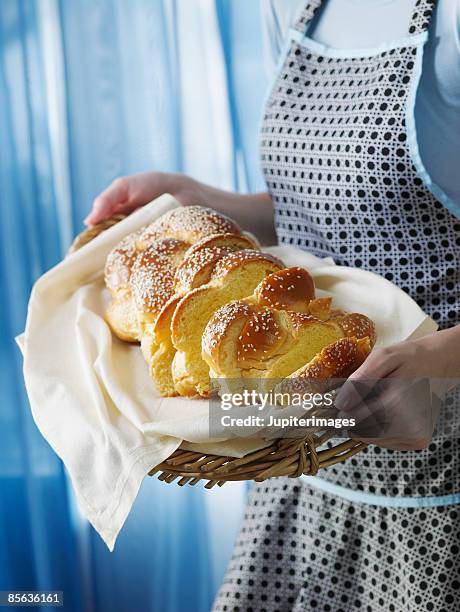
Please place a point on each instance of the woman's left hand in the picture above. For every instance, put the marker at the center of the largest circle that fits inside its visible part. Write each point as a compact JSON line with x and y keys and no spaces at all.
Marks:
{"x":409,"y":377}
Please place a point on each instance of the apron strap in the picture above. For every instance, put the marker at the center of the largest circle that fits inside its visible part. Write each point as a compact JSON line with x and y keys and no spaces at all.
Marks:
{"x":306,"y":15}
{"x":421,"y":16}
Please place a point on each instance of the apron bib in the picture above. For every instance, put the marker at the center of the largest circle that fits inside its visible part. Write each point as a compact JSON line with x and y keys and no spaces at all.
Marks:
{"x":340,"y":158}
{"x":341,"y":162}
{"x":339,"y":150}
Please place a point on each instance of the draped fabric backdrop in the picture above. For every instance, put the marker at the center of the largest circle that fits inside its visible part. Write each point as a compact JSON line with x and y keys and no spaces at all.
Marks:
{"x":90,"y":90}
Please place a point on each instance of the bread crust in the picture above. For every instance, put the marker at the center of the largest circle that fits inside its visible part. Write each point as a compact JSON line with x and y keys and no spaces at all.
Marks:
{"x":333,"y":363}
{"x":151,"y":248}
{"x":195,"y":270}
{"x":149,"y":268}
{"x":235,"y":275}
{"x":289,"y":289}
{"x":231,"y":262}
{"x":190,"y":224}
{"x":249,"y":339}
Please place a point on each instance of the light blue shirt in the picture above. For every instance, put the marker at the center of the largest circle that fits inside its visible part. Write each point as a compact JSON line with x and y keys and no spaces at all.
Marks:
{"x":351,"y":24}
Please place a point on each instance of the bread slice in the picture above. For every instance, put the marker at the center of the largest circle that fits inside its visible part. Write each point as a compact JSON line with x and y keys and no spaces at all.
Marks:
{"x":234,"y":276}
{"x":336,"y":361}
{"x":140,"y":282}
{"x":251,"y":341}
{"x":290,"y":288}
{"x":194,"y":270}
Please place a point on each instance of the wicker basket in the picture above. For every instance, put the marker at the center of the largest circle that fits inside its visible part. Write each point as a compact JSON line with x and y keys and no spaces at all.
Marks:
{"x":283,"y":457}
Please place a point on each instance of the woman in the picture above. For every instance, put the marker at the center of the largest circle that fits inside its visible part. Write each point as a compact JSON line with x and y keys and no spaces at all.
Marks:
{"x":359,"y":149}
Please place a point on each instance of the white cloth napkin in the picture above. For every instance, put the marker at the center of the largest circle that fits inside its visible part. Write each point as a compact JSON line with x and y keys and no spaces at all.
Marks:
{"x":91,"y":395}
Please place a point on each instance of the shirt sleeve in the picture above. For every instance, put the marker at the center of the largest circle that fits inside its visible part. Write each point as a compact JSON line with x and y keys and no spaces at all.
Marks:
{"x":447,"y":56}
{"x":277,"y":17}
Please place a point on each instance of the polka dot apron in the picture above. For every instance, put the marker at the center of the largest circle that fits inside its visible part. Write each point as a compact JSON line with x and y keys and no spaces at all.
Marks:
{"x":380,"y":532}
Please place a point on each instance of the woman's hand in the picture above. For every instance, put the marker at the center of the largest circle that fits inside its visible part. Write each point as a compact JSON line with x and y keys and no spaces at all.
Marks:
{"x":253,"y":212}
{"x":127,"y":193}
{"x":397,"y":389}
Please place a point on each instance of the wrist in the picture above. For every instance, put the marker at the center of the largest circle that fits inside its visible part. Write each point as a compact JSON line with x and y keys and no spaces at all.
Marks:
{"x":445,"y":345}
{"x":185,"y":189}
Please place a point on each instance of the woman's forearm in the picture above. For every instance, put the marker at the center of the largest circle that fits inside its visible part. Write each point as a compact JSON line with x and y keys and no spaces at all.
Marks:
{"x":446,"y":352}
{"x":254,"y":212}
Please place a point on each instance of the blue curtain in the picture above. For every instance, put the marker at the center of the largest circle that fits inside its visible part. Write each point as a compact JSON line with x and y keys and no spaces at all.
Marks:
{"x":90,"y":90}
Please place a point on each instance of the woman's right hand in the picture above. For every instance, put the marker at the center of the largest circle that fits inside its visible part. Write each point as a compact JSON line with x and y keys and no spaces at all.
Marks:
{"x":253,"y":212}
{"x":127,"y":193}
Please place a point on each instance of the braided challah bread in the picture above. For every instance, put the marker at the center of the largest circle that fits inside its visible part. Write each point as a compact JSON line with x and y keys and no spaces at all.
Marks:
{"x":201,"y":299}
{"x":166,"y":241}
{"x":234,"y":276}
{"x":276,"y":331}
{"x":194,"y":270}
{"x":150,"y":270}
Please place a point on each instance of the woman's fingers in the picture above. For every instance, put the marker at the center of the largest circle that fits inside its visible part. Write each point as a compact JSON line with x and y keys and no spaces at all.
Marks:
{"x":391,"y":400}
{"x":127,"y":193}
{"x":111,"y":200}
{"x":379,"y":364}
